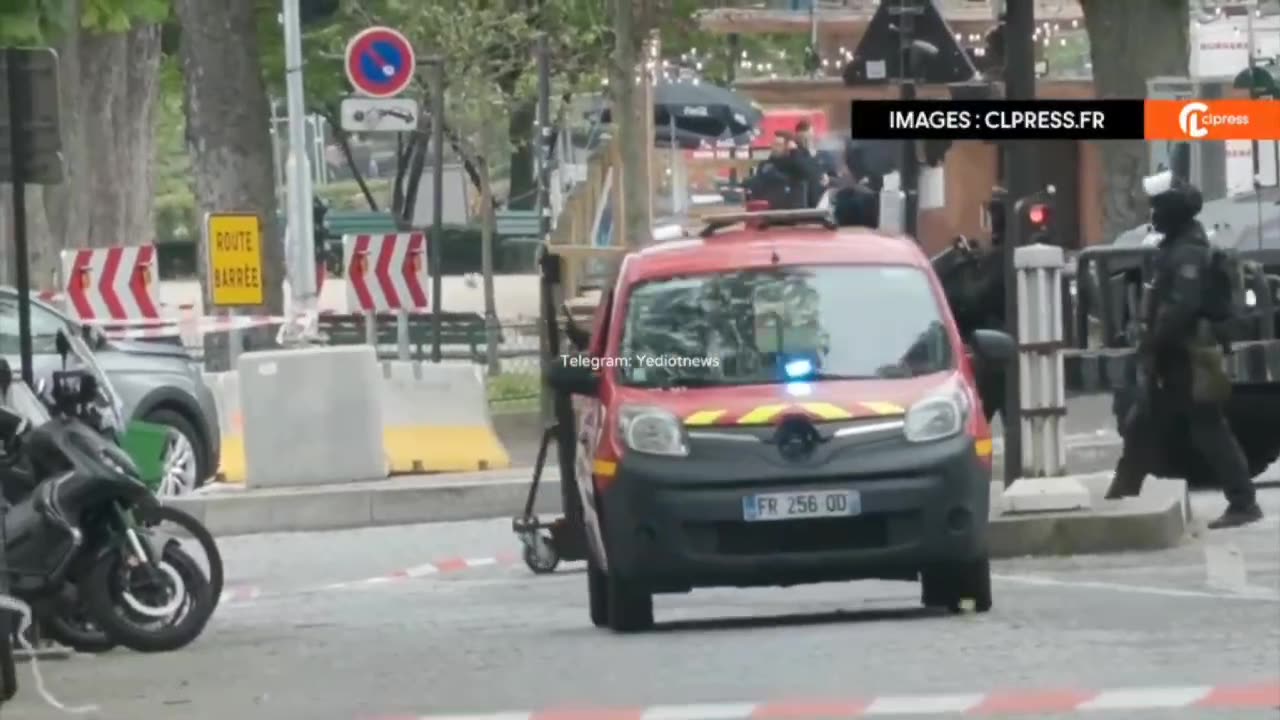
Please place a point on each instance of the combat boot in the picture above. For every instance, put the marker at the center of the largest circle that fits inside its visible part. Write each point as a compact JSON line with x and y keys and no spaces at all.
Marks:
{"x":1237,"y":516}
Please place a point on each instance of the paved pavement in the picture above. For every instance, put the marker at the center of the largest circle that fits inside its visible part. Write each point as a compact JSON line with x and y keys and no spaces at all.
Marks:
{"x":438,"y":619}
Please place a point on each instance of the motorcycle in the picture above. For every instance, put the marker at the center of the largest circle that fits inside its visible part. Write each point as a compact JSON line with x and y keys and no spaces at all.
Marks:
{"x":64,"y":620}
{"x":76,"y":533}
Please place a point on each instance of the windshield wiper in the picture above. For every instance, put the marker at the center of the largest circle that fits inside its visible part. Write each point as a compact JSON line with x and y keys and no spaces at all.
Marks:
{"x":837,"y":376}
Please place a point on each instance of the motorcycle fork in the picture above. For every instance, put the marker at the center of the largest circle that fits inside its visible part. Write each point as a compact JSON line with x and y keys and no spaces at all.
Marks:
{"x":142,"y":553}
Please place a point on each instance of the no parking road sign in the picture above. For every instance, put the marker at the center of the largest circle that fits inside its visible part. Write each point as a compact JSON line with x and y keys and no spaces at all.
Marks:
{"x":380,"y":62}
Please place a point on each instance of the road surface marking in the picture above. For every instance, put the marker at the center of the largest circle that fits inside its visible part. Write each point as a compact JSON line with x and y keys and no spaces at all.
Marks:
{"x":1034,"y":580}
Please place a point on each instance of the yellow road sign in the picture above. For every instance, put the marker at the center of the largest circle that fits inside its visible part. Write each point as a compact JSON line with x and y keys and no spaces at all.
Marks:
{"x":235,"y":259}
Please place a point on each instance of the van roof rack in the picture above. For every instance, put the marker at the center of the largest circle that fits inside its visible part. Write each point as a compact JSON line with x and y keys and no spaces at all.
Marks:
{"x":770,"y":218}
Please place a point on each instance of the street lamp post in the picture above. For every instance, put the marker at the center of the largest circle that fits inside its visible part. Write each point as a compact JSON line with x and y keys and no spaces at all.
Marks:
{"x":302,"y":262}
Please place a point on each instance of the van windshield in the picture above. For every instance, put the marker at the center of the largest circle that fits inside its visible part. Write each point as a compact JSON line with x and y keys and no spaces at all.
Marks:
{"x":763,"y":326}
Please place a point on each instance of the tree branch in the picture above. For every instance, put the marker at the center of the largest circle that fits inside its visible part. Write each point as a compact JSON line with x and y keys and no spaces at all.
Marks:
{"x":330,"y":113}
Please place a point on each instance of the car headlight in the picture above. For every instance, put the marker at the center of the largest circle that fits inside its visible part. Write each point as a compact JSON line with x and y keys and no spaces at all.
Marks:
{"x":938,"y":416}
{"x":1250,"y":298}
{"x":652,"y":430}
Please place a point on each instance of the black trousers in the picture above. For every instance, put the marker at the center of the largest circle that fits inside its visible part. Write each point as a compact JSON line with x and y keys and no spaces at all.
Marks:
{"x":1148,"y":434}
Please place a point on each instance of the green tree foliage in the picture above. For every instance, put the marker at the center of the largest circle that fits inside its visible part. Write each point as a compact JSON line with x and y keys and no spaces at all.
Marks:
{"x":35,"y":22}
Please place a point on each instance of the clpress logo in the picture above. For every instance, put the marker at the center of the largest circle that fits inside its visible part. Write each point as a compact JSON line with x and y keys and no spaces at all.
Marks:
{"x":1189,"y":119}
{"x":1211,"y":119}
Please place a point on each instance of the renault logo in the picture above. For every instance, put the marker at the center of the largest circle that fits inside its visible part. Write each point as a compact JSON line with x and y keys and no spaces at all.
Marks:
{"x":796,"y":438}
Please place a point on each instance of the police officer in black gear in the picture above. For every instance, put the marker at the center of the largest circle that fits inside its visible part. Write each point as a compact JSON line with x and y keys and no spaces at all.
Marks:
{"x":1181,"y":377}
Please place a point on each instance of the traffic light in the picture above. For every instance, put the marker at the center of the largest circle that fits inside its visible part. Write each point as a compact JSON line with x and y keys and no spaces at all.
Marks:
{"x":317,"y":12}
{"x":1037,"y":221}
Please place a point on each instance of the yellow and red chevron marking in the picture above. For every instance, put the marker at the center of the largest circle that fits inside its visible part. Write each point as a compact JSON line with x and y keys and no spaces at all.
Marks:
{"x":767,"y":414}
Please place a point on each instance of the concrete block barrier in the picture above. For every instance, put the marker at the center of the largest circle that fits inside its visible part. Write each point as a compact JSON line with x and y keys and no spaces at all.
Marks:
{"x":310,"y":417}
{"x":435,"y":418}
{"x":226,"y":394}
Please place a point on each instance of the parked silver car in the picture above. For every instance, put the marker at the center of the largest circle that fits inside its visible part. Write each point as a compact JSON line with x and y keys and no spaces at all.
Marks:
{"x":156,"y":382}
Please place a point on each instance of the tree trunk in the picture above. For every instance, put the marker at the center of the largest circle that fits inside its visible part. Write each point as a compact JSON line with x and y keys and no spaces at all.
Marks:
{"x":228,"y":117}
{"x":629,"y":111}
{"x":523,"y":193}
{"x":1129,"y":42}
{"x":108,"y":85}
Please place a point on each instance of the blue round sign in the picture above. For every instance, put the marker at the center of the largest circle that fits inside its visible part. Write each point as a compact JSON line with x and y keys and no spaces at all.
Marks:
{"x":380,"y":62}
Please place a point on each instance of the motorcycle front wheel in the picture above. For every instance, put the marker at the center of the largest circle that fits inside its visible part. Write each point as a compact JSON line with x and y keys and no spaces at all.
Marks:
{"x":153,"y":517}
{"x":127,"y":600}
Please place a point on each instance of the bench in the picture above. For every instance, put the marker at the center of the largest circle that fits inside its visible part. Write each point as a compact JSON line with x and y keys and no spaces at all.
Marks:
{"x":465,"y":329}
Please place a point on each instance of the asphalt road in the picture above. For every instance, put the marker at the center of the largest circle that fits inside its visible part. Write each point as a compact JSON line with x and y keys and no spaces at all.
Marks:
{"x":475,"y":633}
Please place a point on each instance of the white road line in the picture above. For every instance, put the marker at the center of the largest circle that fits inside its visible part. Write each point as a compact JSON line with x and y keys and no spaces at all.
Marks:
{"x":725,"y":711}
{"x":1143,"y":699}
{"x":923,"y":705}
{"x":1250,"y":595}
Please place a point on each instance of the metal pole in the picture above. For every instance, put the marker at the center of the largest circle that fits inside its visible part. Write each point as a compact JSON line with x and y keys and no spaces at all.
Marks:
{"x":436,"y":245}
{"x":910,"y":174}
{"x":1020,"y":84}
{"x":301,"y":230}
{"x":735,"y":57}
{"x":543,"y":136}
{"x":998,"y":9}
{"x":20,"y":106}
{"x":1250,"y":48}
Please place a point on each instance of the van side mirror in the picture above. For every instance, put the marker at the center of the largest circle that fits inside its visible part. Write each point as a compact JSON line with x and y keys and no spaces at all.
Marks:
{"x":574,"y":376}
{"x":6,"y":378}
{"x":994,"y":345}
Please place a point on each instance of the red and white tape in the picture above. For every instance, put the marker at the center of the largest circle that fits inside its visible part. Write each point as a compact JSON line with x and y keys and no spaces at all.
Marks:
{"x":1032,"y":703}
{"x":446,"y":566}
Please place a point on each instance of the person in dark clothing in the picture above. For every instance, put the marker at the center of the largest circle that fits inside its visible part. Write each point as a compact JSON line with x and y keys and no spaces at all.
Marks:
{"x":773,"y":179}
{"x":807,"y":171}
{"x":1181,"y":377}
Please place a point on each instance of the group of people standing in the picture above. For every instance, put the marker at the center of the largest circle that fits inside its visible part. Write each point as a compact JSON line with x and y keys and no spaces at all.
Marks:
{"x":796,"y":175}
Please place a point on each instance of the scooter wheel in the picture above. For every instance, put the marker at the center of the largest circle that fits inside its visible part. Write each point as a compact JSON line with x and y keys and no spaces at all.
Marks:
{"x":541,"y":556}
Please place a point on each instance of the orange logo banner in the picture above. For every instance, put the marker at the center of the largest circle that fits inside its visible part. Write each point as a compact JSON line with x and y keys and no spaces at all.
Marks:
{"x":1212,"y":119}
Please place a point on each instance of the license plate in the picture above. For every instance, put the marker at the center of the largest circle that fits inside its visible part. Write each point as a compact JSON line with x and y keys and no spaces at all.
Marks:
{"x":801,"y":505}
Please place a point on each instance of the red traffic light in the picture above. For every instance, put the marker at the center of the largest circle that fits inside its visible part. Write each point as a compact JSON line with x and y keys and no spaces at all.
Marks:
{"x":1038,"y":214}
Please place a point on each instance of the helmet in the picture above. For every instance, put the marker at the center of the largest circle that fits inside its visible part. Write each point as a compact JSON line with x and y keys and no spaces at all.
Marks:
{"x":1174,"y":201}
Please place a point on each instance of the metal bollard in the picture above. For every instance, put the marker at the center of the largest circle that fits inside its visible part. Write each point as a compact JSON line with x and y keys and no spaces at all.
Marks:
{"x":1040,"y":358}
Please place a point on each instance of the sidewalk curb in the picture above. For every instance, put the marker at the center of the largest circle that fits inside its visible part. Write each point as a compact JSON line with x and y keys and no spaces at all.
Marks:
{"x":1156,"y":520}
{"x":353,"y":506}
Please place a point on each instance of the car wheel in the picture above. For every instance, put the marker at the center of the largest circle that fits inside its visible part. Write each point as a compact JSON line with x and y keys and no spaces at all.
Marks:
{"x":630,"y":605}
{"x":597,"y":594}
{"x":949,"y":586}
{"x":186,"y":463}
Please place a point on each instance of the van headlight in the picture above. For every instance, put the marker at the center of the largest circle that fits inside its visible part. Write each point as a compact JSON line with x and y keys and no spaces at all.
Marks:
{"x":1250,"y":298}
{"x":939,"y":416}
{"x":652,"y":430}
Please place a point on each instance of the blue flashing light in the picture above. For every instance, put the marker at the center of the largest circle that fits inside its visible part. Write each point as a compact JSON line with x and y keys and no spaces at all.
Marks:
{"x":798,"y":368}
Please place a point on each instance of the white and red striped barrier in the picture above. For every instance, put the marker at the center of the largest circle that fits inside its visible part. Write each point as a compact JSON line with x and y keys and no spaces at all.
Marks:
{"x":114,"y":284}
{"x":191,"y":329}
{"x":386,"y":272}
